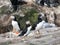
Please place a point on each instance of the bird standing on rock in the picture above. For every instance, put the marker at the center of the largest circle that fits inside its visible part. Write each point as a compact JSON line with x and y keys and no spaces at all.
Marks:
{"x":43,"y":23}
{"x":40,"y":23}
{"x":15,"y":25}
{"x":27,"y":29}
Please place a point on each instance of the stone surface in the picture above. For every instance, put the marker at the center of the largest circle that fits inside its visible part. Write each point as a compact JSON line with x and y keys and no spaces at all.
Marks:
{"x":50,"y":38}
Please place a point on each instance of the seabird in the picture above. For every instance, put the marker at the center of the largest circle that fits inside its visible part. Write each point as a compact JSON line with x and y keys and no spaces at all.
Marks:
{"x":15,"y":25}
{"x":27,"y":29}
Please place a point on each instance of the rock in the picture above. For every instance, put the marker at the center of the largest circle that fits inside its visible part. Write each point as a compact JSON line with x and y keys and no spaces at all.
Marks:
{"x":5,"y":24}
{"x":51,"y":38}
{"x":6,"y":3}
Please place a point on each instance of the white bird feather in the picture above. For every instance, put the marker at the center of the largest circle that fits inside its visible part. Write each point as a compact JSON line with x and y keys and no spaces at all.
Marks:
{"x":15,"y":25}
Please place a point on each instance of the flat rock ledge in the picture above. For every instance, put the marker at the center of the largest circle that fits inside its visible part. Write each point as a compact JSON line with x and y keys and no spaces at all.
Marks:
{"x":49,"y":36}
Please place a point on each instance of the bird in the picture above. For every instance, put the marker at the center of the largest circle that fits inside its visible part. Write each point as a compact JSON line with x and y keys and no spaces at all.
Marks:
{"x":40,"y":17}
{"x":43,"y":23}
{"x":27,"y":29}
{"x":16,"y":26}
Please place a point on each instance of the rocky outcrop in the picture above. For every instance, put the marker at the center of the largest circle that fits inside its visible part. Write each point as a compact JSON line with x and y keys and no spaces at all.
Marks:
{"x":48,"y":11}
{"x":50,"y":36}
{"x":4,"y":2}
{"x":5,"y":24}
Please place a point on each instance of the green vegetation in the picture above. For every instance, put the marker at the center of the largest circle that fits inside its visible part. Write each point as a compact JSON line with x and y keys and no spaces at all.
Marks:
{"x":4,"y":10}
{"x":30,"y":14}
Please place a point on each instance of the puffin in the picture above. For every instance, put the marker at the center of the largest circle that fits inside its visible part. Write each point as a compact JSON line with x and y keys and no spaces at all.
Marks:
{"x":40,"y":23}
{"x":43,"y":23}
{"x":15,"y":24}
{"x":27,"y":29}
